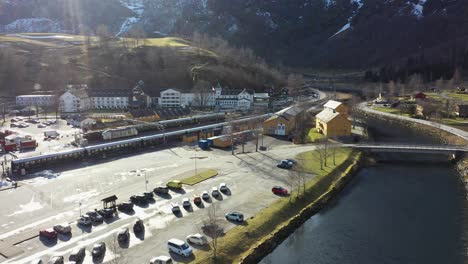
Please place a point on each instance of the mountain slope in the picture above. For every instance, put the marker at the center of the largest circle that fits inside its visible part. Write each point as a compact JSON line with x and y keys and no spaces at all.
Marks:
{"x":320,"y":33}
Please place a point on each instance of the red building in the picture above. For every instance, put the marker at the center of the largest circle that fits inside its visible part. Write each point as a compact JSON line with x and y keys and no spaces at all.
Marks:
{"x":420,"y":96}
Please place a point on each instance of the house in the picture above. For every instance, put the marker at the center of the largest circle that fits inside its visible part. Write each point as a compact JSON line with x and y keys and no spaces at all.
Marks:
{"x":138,"y":98}
{"x":35,"y":100}
{"x":337,"y":107}
{"x":226,"y":99}
{"x":463,"y":110}
{"x":282,"y":123}
{"x":75,"y":100}
{"x":420,"y":96}
{"x":170,"y":98}
{"x":332,"y":121}
{"x":109,"y":98}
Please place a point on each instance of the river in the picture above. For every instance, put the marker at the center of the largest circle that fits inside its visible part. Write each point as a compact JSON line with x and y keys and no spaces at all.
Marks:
{"x":390,"y":213}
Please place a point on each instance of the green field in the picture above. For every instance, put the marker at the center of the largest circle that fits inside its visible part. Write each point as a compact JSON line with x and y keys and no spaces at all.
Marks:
{"x":314,"y":136}
{"x":201,"y":175}
{"x":241,"y":238}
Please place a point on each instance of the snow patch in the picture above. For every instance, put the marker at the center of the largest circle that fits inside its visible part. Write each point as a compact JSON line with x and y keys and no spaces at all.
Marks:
{"x":418,"y":8}
{"x":31,"y":25}
{"x":329,"y":3}
{"x":82,"y":196}
{"x":29,"y":207}
{"x":42,"y":37}
{"x":137,"y":7}
{"x":345,"y":27}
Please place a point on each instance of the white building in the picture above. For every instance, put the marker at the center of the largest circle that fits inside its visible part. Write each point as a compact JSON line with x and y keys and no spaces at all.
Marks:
{"x":35,"y":100}
{"x":109,"y":98}
{"x":75,"y":100}
{"x":221,"y":98}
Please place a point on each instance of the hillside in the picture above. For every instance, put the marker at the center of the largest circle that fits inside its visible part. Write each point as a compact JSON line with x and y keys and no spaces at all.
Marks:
{"x":312,"y":33}
{"x":54,"y":60}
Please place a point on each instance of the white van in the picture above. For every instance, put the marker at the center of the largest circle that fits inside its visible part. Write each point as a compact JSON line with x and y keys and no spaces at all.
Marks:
{"x":179,"y":247}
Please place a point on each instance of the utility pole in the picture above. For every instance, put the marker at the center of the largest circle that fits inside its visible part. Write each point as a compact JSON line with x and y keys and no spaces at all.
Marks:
{"x":146,"y":182}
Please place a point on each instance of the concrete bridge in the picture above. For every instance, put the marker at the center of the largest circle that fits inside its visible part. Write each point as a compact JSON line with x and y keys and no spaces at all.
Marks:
{"x":395,"y":147}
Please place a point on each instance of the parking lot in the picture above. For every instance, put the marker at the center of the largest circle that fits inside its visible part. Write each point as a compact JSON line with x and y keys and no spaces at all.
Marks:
{"x":53,"y":197}
{"x":66,"y":136}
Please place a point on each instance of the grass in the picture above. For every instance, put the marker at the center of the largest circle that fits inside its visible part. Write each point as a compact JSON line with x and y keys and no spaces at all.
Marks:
{"x":463,"y":97}
{"x":241,"y":238}
{"x":26,"y":41}
{"x":200,"y":176}
{"x":314,"y":136}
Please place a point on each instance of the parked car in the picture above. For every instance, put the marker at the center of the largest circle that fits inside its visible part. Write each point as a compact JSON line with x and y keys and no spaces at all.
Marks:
{"x":84,"y":221}
{"x":175,"y":207}
{"x":294,"y":162}
{"x":179,"y":247}
{"x":106,"y":212}
{"x":41,"y":126}
{"x":285,"y":164}
{"x":279,"y":190}
{"x":55,"y":260}
{"x":214,"y":192}
{"x":13,"y":125}
{"x":62,"y":228}
{"x":23,"y":125}
{"x":37,"y":261}
{"x":123,"y":235}
{"x":99,"y":249}
{"x":197,"y":199}
{"x":77,"y":255}
{"x":125,"y":207}
{"x":138,"y":199}
{"x":161,"y":260}
{"x":174,"y":184}
{"x":95,"y":217}
{"x":235,"y":216}
{"x":139,"y":226}
{"x":186,"y":203}
{"x":223,"y":187}
{"x":48,"y":233}
{"x":205,"y":195}
{"x":148,"y":195}
{"x":161,"y":190}
{"x":197,"y":239}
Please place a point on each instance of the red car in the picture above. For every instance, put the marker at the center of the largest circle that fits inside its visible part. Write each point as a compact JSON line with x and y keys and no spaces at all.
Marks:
{"x":279,"y":190}
{"x":48,"y":233}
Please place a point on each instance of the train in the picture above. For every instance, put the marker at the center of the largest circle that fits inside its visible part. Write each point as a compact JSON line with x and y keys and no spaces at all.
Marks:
{"x":133,"y":130}
{"x":22,"y":165}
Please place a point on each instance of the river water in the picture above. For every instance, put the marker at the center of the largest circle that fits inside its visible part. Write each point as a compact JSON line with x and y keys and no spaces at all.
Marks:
{"x":391,"y":213}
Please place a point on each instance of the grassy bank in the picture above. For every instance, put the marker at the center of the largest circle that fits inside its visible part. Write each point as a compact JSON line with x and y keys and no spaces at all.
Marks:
{"x":238,"y":241}
{"x":201,"y":175}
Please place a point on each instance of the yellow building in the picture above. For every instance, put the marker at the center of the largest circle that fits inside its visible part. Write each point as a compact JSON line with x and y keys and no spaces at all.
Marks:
{"x":282,"y":123}
{"x":333,"y":121}
{"x":337,"y":107}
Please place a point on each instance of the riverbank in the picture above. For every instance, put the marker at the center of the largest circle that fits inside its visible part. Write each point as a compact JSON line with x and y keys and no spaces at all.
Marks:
{"x":250,"y":242}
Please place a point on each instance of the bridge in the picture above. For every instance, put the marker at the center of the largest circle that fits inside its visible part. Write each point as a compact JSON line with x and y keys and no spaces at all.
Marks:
{"x":394,"y":147}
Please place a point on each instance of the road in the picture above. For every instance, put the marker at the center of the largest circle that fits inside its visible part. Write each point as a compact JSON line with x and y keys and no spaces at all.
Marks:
{"x":455,"y":131}
{"x":48,"y":198}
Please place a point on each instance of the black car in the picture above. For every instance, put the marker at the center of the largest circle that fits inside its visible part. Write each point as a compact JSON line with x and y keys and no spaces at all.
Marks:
{"x":106,"y":213}
{"x":77,"y":255}
{"x":161,"y":190}
{"x":95,"y":217}
{"x":138,"y":199}
{"x":125,"y":207}
{"x":123,"y":235}
{"x":99,"y":249}
{"x":138,"y":226}
{"x":148,"y":195}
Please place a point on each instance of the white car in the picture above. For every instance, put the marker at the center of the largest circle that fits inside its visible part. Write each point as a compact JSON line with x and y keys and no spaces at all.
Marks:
{"x":205,"y":195}
{"x":161,"y":260}
{"x":175,"y":207}
{"x":235,"y":216}
{"x":197,"y":239}
{"x":179,"y":247}
{"x":223,"y":187}
{"x":186,"y":202}
{"x":214,"y":192}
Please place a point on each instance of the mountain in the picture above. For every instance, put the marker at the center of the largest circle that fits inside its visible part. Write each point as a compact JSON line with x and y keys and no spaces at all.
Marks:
{"x":317,"y":33}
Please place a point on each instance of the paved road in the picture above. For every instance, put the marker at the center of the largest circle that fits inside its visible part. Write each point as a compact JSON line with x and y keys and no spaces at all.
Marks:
{"x":54,"y":197}
{"x":455,"y":131}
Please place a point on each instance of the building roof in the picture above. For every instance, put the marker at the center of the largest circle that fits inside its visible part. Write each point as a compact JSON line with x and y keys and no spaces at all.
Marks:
{"x":109,"y":93}
{"x":34,"y":95}
{"x":327,"y":115}
{"x":82,"y":93}
{"x":286,"y":113}
{"x":170,"y":90}
{"x":332,"y":104}
{"x":230,"y":92}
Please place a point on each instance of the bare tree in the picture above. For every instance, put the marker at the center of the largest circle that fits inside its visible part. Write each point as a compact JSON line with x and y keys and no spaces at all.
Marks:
{"x":118,"y":251}
{"x":202,"y":91}
{"x":213,"y":228}
{"x":295,"y":82}
{"x":322,"y":153}
{"x":104,"y":36}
